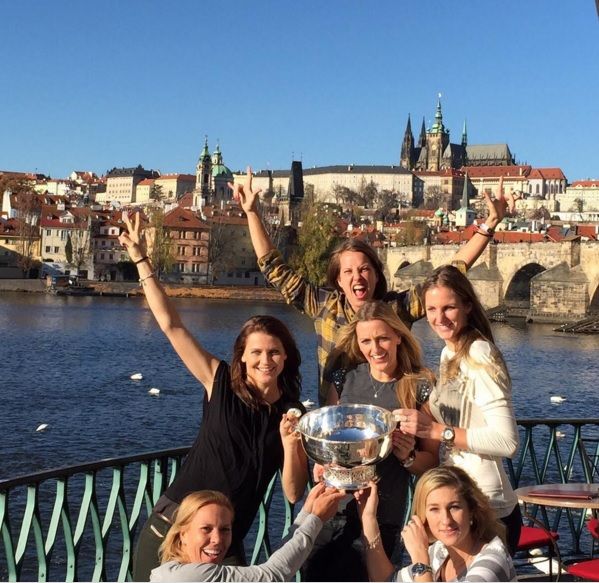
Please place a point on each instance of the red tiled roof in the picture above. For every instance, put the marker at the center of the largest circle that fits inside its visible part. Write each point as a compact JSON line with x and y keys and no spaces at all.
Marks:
{"x":588,"y":231}
{"x":546,"y":174}
{"x":183,"y":177}
{"x":182,"y":218}
{"x":585,"y":184}
{"x":146,"y":181}
{"x":496,"y":171}
{"x":186,"y":200}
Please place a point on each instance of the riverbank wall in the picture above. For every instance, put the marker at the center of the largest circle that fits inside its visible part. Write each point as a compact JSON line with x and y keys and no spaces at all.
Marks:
{"x":127,"y":289}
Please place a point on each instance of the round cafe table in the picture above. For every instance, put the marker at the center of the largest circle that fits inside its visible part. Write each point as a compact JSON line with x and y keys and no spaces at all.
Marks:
{"x":561,"y":495}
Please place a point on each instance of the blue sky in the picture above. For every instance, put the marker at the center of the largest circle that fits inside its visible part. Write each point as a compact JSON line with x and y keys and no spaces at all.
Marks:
{"x":93,"y":85}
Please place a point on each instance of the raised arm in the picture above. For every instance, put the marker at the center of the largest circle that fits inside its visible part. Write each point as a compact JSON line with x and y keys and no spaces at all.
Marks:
{"x":497,"y":208}
{"x":296,"y":290}
{"x":199,"y":361}
{"x":248,"y":199}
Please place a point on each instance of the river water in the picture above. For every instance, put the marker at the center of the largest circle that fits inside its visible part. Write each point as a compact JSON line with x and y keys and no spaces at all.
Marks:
{"x":67,"y":362}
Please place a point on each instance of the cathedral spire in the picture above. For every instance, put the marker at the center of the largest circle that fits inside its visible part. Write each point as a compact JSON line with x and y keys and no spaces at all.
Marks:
{"x":464,"y":135}
{"x":422,"y":138}
{"x":438,"y":125}
{"x":406,"y":159}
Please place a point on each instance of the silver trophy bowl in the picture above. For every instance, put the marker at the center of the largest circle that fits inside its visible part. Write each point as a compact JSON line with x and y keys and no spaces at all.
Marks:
{"x":348,"y":440}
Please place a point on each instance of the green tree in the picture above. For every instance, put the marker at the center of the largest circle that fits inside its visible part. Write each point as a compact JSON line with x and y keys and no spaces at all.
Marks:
{"x":156,"y":192}
{"x":68,"y":249}
{"x":316,"y":240}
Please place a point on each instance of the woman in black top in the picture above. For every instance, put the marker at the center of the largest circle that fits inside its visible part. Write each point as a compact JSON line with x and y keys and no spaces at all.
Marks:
{"x":246,"y":434}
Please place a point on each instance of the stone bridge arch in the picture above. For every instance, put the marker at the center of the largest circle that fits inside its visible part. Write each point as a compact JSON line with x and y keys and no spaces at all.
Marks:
{"x":517,"y":290}
{"x":594,"y":297}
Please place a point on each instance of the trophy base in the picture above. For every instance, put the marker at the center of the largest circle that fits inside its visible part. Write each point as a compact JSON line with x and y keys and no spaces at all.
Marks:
{"x":349,"y":478}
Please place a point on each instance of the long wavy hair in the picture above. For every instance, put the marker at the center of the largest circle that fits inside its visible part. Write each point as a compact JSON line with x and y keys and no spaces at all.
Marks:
{"x":478,"y":326}
{"x":357,"y":246}
{"x":171,"y":548}
{"x":289,"y":380}
{"x":484,"y":527}
{"x":409,"y":354}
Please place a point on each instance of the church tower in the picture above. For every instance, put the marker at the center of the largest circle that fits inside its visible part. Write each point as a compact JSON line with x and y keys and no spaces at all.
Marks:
{"x":204,"y":172}
{"x":406,"y":159}
{"x":437,"y":139}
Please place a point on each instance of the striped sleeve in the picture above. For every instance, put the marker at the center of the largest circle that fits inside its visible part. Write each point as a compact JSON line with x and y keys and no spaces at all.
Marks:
{"x":492,"y":564}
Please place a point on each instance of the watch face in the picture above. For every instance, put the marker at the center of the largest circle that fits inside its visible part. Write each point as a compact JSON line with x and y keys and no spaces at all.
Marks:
{"x":448,"y":434}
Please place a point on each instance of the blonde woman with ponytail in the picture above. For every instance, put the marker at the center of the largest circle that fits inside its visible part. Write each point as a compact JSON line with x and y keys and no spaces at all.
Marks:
{"x":377,"y":361}
{"x":471,"y":404}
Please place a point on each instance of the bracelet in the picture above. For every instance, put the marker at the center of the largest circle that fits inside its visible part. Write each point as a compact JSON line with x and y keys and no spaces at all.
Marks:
{"x":409,"y":460}
{"x":484,"y":229}
{"x":144,"y":258}
{"x":376,"y":541}
{"x":142,"y":279}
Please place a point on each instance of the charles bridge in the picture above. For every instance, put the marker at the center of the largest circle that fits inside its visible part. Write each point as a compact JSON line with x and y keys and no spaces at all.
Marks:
{"x":545,"y":282}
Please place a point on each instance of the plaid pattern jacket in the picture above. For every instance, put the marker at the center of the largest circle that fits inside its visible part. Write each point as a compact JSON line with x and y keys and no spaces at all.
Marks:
{"x":330,"y":310}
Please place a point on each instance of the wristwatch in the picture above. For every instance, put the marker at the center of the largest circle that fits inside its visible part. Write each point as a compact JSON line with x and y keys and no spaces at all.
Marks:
{"x":421,"y":569}
{"x":409,"y":460}
{"x":448,"y":436}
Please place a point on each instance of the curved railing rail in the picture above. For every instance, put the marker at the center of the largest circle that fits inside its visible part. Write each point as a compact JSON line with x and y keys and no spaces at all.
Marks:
{"x":80,"y":522}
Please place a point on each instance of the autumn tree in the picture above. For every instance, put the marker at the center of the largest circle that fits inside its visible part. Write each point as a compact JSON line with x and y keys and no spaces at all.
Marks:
{"x":159,"y":243}
{"x":316,"y":239}
{"x":411,"y":233}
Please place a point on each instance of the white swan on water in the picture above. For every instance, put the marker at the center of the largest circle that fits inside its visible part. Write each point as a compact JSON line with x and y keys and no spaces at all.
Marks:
{"x":42,"y":427}
{"x":154,"y":391}
{"x":136,"y":376}
{"x":557,"y":399}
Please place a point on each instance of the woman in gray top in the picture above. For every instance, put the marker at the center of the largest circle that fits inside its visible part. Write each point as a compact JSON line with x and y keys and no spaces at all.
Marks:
{"x":197,"y":543}
{"x":452,"y":513}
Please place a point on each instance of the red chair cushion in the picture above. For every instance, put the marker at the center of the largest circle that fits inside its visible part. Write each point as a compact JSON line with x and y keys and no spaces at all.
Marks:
{"x":585,"y":569}
{"x":593,"y":526}
{"x":532,"y":537}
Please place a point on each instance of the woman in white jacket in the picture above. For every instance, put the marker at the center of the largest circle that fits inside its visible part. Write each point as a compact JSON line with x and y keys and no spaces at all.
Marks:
{"x":472,"y":402}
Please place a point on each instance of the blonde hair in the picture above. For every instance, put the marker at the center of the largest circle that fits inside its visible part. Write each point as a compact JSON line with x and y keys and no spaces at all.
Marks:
{"x":409,"y":354}
{"x":171,"y":548}
{"x":483,"y":527}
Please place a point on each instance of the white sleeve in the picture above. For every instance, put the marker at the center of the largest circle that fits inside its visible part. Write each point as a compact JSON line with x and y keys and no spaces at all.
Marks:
{"x":493,"y":396}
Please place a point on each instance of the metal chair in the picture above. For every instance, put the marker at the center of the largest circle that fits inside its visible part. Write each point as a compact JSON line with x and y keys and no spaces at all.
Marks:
{"x":588,"y":569}
{"x":537,"y":537}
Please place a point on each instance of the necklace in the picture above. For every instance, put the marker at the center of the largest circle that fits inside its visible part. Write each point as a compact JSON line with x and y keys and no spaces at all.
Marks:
{"x":378,"y":386}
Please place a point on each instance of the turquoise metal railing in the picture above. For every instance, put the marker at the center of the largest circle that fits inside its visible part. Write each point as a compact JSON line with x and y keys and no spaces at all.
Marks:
{"x":80,"y":522}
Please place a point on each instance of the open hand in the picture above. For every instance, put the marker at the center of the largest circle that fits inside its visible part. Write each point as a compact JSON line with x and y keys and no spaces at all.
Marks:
{"x":244,"y":193}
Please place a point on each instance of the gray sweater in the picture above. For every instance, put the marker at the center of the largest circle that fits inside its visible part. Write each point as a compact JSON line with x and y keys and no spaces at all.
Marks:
{"x":281,"y":566}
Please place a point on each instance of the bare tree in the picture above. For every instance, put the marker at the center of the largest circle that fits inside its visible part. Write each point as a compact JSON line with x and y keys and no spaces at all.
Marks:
{"x":220,"y":253}
{"x":27,"y":214}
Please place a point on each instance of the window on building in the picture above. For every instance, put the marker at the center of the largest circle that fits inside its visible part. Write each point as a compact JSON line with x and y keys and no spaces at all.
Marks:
{"x":103,"y":243}
{"x":102,"y":256}
{"x":537,"y":191}
{"x":48,"y":232}
{"x":110,"y":256}
{"x":47,"y":248}
{"x":180,"y":250}
{"x":181,"y":267}
{"x":56,"y":249}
